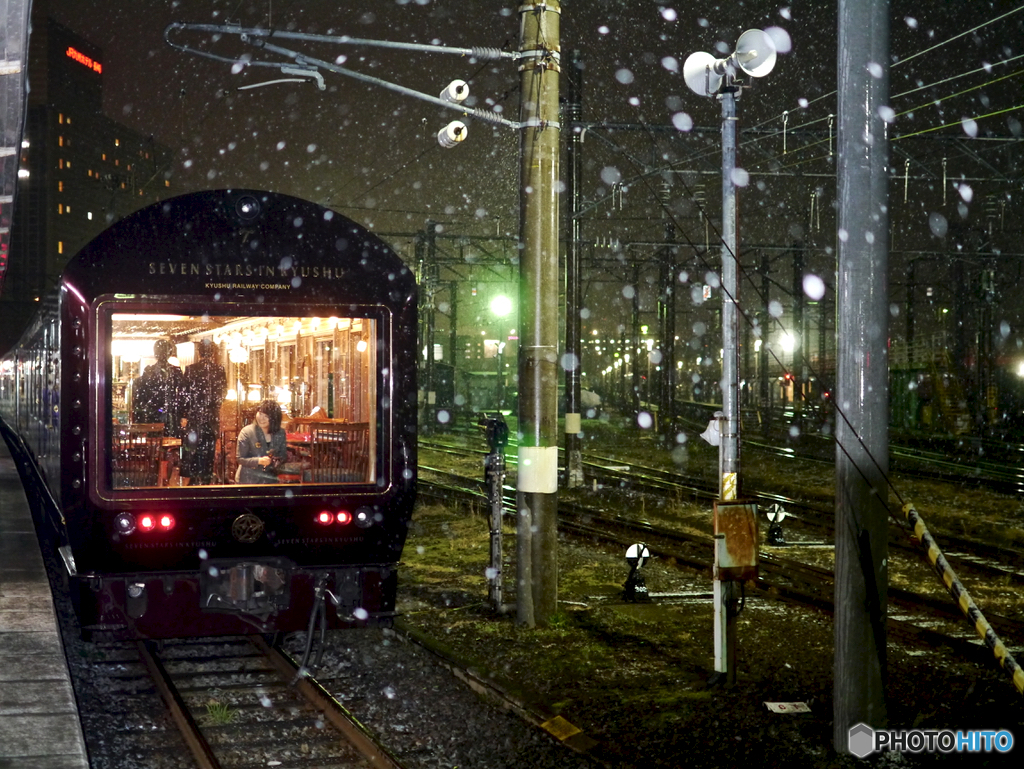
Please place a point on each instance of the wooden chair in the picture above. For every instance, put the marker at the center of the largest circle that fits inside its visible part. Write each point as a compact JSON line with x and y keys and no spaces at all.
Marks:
{"x":136,"y":455}
{"x":340,"y":453}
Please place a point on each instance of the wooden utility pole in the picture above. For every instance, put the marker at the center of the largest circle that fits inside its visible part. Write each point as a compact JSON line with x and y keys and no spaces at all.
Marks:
{"x":537,"y":483}
{"x":862,"y":400}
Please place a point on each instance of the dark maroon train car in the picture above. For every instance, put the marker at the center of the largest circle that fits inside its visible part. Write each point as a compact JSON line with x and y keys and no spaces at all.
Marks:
{"x":133,"y":388}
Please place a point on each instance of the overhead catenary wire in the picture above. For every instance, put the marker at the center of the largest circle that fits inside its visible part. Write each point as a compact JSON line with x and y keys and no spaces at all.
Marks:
{"x":911,"y":57}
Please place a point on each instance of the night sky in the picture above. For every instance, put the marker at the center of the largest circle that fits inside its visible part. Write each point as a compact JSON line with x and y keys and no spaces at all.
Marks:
{"x":372,"y":154}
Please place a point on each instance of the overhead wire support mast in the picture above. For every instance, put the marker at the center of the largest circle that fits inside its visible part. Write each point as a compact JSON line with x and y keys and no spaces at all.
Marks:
{"x":539,"y":64}
{"x":259,"y":38}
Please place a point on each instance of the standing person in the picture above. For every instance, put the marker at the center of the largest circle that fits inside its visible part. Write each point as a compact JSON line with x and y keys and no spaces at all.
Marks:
{"x":262,"y":446}
{"x":158,"y":391}
{"x":205,"y":387}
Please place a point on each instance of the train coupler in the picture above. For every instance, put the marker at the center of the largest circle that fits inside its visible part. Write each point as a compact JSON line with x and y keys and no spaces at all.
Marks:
{"x":254,"y":588}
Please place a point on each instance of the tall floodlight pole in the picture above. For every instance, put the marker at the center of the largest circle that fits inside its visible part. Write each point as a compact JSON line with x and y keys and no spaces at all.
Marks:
{"x":862,"y":391}
{"x":705,"y":75}
{"x":729,"y":482}
{"x":537,"y":483}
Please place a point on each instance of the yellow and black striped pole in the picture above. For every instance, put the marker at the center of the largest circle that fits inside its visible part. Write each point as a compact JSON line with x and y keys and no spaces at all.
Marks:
{"x":963,"y":598}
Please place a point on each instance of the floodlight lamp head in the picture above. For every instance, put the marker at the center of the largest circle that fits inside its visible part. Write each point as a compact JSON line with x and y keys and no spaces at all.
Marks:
{"x":755,"y":53}
{"x":703,"y":73}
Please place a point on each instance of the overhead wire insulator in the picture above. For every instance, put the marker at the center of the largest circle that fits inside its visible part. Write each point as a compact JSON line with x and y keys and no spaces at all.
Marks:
{"x":452,"y":134}
{"x":486,"y":54}
{"x":456,"y":92}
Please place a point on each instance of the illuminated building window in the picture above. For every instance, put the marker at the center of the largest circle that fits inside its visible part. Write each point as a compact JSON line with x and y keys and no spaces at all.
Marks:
{"x":103,"y":156}
{"x":60,"y":141}
{"x":60,"y":208}
{"x":167,"y":182}
{"x":117,"y":142}
{"x":89,"y":216}
{"x":60,"y":162}
{"x":117,"y":162}
{"x":60,"y":186}
{"x":60,"y":246}
{"x":60,"y":117}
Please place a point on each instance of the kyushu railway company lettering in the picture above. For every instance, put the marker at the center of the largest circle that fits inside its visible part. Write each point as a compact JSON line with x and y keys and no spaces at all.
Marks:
{"x":239,"y":270}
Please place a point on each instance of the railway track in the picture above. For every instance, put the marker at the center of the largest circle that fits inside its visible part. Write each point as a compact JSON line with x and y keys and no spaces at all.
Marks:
{"x":913,"y":615}
{"x":816,"y":521}
{"x":238,"y":702}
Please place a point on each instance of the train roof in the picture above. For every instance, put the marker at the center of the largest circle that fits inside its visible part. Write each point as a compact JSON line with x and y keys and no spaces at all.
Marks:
{"x":238,"y":242}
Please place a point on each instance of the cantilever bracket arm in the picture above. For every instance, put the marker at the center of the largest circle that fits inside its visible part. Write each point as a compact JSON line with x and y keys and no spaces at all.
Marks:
{"x":260,"y":39}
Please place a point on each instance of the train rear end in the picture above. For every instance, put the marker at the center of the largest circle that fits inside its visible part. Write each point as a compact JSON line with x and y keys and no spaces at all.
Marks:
{"x":292,"y":304}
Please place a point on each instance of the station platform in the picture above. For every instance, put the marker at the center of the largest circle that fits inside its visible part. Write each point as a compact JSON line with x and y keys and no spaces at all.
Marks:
{"x":39,"y":723}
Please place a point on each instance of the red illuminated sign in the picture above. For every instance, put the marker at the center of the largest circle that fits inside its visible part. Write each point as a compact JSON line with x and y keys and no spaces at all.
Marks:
{"x":81,"y":58}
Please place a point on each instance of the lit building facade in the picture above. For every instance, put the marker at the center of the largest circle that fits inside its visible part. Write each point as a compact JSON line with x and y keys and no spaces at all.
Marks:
{"x":80,"y":171}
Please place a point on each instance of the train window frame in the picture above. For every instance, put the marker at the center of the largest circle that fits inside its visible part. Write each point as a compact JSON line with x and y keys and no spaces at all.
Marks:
{"x":381,"y":414}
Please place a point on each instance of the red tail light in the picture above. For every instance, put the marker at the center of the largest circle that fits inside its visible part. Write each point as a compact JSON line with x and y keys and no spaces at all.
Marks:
{"x":166,"y":522}
{"x":344,"y":516}
{"x":147,"y":522}
{"x":325,"y":517}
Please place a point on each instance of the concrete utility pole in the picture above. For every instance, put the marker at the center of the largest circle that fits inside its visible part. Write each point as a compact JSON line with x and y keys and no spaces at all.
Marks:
{"x":862,"y":451}
{"x":573,"y":294}
{"x":537,"y":485}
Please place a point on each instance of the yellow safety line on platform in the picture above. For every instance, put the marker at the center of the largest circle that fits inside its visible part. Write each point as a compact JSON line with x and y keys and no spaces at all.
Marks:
{"x":963,"y":598}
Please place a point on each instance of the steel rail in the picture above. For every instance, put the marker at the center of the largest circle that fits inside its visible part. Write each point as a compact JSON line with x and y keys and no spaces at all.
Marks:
{"x":357,"y":734}
{"x":187,"y":727}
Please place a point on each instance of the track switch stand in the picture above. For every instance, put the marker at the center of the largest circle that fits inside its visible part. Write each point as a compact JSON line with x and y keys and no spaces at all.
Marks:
{"x":635,"y":589}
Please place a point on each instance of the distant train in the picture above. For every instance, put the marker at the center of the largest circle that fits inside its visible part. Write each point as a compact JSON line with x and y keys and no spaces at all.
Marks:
{"x":132,"y":388}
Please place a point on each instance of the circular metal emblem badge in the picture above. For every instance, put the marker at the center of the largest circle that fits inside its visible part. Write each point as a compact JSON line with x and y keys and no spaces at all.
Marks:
{"x":247,"y":528}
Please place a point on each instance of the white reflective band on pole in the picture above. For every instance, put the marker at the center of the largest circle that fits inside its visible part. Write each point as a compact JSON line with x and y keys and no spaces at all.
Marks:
{"x":538,"y":469}
{"x":573,"y":424}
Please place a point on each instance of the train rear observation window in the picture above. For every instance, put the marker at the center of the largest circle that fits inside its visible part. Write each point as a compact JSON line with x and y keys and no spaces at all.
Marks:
{"x":200,"y":400}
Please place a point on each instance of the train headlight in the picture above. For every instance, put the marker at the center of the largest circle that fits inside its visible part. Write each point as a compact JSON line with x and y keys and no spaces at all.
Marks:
{"x":125,"y":523}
